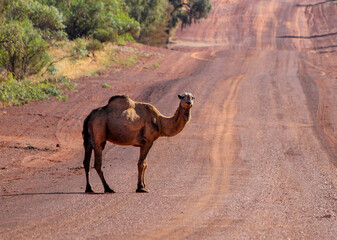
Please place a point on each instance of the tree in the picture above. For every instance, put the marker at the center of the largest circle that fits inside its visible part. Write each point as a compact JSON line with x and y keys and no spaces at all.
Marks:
{"x":158,"y":17}
{"x":25,"y":27}
{"x":101,"y":19}
{"x":188,"y":11}
{"x":22,"y":49}
{"x":153,"y":16}
{"x":47,"y":19}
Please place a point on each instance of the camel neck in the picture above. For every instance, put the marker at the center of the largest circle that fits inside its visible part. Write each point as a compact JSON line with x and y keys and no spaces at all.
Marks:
{"x":175,"y":124}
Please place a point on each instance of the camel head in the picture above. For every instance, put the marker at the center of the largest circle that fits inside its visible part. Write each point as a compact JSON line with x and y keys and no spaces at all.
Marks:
{"x":186,"y":100}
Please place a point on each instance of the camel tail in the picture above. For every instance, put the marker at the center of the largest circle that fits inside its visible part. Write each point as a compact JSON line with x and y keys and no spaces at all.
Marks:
{"x":85,"y":132}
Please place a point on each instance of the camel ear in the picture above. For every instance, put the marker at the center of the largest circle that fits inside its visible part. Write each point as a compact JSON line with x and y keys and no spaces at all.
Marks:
{"x":180,"y":97}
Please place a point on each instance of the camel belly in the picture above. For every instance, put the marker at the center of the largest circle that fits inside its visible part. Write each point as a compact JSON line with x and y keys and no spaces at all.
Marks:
{"x":124,"y":127}
{"x":123,"y":136}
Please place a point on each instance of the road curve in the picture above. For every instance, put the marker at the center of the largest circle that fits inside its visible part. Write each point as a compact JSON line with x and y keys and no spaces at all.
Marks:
{"x":257,"y":160}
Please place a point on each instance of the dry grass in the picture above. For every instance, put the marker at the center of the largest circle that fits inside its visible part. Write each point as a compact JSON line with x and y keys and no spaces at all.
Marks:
{"x":87,"y":66}
{"x":112,"y":56}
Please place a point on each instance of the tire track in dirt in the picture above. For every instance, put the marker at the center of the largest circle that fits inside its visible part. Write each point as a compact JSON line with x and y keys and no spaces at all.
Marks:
{"x":266,"y":17}
{"x":322,"y":112}
{"x":222,"y":153}
{"x":320,"y":17}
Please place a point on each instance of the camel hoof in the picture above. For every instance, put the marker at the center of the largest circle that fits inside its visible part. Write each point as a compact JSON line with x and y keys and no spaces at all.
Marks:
{"x":109,"y":190}
{"x":89,"y":190}
{"x":142,"y":190}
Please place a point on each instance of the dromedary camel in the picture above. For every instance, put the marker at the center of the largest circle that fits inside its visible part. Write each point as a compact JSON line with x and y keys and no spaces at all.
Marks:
{"x":125,"y":122}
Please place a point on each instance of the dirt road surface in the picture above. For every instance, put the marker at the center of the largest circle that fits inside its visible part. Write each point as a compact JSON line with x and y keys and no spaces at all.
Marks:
{"x":257,"y":161}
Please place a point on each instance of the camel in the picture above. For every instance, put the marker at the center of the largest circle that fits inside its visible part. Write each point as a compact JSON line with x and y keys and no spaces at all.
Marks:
{"x":126,"y":122}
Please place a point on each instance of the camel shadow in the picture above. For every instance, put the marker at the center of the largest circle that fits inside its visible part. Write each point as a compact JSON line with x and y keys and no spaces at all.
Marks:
{"x":49,"y":193}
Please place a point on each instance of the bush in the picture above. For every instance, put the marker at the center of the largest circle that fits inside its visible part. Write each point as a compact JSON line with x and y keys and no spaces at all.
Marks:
{"x":105,"y":85}
{"x":21,"y":92}
{"x":197,"y":10}
{"x":63,"y":81}
{"x":79,"y":50}
{"x":105,"y":35}
{"x":94,"y":45}
{"x":13,"y":92}
{"x":102,"y":19}
{"x":51,"y":69}
{"x":22,"y":49}
{"x":153,"y":16}
{"x":43,"y":17}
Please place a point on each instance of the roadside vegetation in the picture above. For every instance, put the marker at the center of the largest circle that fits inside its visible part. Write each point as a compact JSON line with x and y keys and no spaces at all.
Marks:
{"x":46,"y":43}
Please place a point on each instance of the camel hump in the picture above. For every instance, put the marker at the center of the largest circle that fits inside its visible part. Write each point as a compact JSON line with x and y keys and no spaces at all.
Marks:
{"x":121,"y":102}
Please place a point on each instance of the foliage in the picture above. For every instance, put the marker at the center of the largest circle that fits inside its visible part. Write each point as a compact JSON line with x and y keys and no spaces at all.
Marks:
{"x":149,"y":21}
{"x":13,"y":92}
{"x":102,"y":19}
{"x":26,"y":25}
{"x":94,"y":45}
{"x":22,"y":49}
{"x":47,"y":19}
{"x":79,"y":50}
{"x":105,"y":85}
{"x":158,"y":17}
{"x":188,"y":11}
{"x":61,"y":81}
{"x":62,"y":98}
{"x":28,"y":28}
{"x":153,"y":16}
{"x":52,"y":69}
{"x":105,"y":35}
{"x":153,"y":65}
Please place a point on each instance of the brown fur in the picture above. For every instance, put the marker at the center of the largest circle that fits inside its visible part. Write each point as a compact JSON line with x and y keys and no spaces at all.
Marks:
{"x":125,"y":122}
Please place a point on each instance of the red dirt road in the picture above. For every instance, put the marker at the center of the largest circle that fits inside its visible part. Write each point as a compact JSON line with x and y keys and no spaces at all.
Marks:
{"x":258,"y":159}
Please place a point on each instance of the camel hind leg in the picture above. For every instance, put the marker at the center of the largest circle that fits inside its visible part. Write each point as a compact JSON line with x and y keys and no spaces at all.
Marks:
{"x":86,"y":163}
{"x":88,"y":151}
{"x":98,"y":166}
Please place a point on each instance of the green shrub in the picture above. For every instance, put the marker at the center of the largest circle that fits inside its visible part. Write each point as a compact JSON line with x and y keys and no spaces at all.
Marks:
{"x":102,"y":19}
{"x":63,"y":81}
{"x":105,"y":35}
{"x":48,"y":19}
{"x":94,"y":45}
{"x":126,"y":37}
{"x":13,"y":92}
{"x":51,"y":69}
{"x":153,"y":16}
{"x":51,"y":90}
{"x":153,"y":65}
{"x":62,"y":98}
{"x":79,"y":50}
{"x":105,"y":85}
{"x":22,"y":51}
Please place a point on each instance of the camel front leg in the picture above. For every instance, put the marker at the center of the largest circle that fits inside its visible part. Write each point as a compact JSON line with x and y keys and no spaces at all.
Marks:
{"x":142,"y":165}
{"x":98,"y":167}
